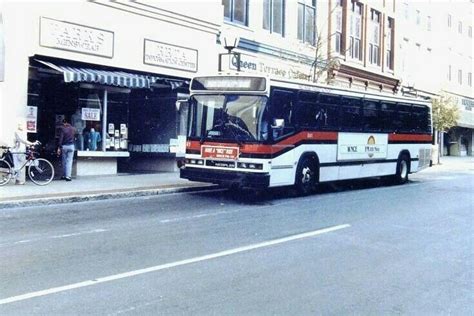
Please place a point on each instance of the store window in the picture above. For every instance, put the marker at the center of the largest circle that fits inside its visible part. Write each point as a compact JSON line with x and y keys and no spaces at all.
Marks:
{"x":274,"y":16}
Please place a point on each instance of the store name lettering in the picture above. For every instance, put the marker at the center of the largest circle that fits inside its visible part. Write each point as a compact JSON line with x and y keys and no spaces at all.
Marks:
{"x":270,"y":70}
{"x":170,"y":56}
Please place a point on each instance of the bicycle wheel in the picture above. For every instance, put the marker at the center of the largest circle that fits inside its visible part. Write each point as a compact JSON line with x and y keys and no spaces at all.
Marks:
{"x":41,"y":171}
{"x":6,"y":172}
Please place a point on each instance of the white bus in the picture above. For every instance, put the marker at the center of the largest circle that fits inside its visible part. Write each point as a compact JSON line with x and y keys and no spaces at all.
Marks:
{"x":256,"y":132}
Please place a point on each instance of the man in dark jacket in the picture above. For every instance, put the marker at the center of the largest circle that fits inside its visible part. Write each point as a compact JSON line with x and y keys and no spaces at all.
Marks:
{"x":66,"y":148}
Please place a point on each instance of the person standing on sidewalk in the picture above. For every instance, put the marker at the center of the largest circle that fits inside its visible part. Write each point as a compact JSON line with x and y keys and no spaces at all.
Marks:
{"x":19,"y":151}
{"x":66,"y":148}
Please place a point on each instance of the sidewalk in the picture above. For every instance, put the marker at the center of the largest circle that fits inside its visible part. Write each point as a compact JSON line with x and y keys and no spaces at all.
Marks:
{"x":95,"y":188}
{"x":131,"y":185}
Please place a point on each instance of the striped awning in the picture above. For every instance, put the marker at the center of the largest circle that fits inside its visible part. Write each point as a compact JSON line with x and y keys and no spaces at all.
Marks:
{"x":106,"y":77}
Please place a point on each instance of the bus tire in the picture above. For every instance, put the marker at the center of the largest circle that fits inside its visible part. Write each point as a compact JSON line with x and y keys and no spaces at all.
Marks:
{"x":306,"y":177}
{"x":403,"y":169}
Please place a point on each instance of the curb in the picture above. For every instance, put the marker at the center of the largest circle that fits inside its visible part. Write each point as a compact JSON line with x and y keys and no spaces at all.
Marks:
{"x":99,"y":196}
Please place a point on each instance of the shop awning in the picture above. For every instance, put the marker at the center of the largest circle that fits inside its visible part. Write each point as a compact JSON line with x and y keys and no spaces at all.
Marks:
{"x":106,"y":77}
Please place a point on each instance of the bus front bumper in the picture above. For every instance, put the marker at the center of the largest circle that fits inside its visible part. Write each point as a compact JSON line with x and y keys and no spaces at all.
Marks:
{"x":227,"y":178}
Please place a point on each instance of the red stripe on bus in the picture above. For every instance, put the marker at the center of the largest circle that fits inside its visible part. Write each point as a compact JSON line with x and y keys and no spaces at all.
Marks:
{"x":270,"y":149}
{"x":409,"y":138}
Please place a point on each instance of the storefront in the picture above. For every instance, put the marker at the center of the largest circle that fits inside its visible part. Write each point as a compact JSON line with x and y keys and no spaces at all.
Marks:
{"x":459,"y":140}
{"x":116,"y":82}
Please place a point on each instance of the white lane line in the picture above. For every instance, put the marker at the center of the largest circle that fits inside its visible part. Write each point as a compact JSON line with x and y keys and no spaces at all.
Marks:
{"x":177,"y":219}
{"x":94,"y":231}
{"x":129,"y":274}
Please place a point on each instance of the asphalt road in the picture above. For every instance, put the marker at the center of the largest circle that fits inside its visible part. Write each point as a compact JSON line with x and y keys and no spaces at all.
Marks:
{"x":354,"y":248}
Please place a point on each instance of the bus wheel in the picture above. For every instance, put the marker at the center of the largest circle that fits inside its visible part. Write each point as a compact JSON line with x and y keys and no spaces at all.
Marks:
{"x":306,"y":176}
{"x":403,"y":169}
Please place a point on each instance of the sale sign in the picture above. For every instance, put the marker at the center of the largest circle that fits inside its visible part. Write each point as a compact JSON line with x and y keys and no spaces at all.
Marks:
{"x":90,"y":114}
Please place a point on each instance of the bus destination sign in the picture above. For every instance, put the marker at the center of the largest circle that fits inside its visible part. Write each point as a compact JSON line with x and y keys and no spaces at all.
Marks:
{"x":220,"y":152}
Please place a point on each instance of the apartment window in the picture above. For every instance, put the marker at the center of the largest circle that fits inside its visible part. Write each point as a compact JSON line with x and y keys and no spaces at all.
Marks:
{"x":449,"y":20}
{"x":460,"y":76}
{"x":418,"y":17}
{"x":356,"y":30}
{"x":460,"y":27}
{"x":406,"y":10}
{"x":273,"y":16}
{"x":449,"y":72}
{"x":389,"y":44}
{"x":236,"y":11}
{"x":338,"y":35}
{"x":428,"y":23}
{"x":469,"y":31}
{"x":374,"y":40}
{"x":469,"y":79}
{"x":306,"y":21}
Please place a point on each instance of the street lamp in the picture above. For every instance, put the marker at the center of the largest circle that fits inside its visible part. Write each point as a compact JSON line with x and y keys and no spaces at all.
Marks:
{"x":231,"y":42}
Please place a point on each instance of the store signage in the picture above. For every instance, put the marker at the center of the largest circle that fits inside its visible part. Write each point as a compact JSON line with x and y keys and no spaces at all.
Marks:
{"x":468,"y":104}
{"x":75,"y":37}
{"x":219,"y":152}
{"x":31,"y":118}
{"x":272,"y":68}
{"x":90,"y":114}
{"x":361,"y":146}
{"x":170,"y":56}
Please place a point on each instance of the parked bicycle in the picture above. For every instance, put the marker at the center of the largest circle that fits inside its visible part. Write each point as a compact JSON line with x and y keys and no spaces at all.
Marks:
{"x":39,"y":170}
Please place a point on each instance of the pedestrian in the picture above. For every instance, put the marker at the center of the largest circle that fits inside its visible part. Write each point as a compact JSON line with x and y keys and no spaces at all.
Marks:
{"x":66,"y":148}
{"x":19,"y":151}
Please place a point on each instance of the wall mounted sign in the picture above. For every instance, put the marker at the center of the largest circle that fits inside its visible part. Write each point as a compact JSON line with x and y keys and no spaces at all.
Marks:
{"x":170,"y":56}
{"x":31,"y":118}
{"x":77,"y":38}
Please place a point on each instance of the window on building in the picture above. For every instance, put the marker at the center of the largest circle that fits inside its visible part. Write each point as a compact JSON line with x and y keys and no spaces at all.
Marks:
{"x":389,"y":44}
{"x":236,"y":11}
{"x":339,"y":33}
{"x":374,"y":40}
{"x":356,"y":30}
{"x":460,"y":27}
{"x":449,"y":72}
{"x":469,"y":31}
{"x":418,"y":17}
{"x":274,"y":16}
{"x":460,"y":76}
{"x":406,"y":10}
{"x":307,"y":22}
{"x":469,"y":79}
{"x":428,"y":23}
{"x":449,"y":20}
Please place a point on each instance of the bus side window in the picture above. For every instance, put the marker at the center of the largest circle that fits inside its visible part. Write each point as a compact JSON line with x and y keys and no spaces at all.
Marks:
{"x":421,"y":116}
{"x":372,"y":120}
{"x":330,"y":111}
{"x":404,"y":117}
{"x":389,"y":120}
{"x":282,"y":109}
{"x":351,"y":114}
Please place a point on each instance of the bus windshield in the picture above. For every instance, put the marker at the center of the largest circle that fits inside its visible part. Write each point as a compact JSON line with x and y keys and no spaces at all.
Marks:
{"x":227,"y":117}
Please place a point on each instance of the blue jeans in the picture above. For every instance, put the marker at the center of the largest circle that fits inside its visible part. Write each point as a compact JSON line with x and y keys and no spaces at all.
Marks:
{"x":67,"y":156}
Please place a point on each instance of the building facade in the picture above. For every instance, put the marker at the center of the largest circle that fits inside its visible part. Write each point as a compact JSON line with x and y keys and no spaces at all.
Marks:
{"x":434,"y":40}
{"x":116,"y":78}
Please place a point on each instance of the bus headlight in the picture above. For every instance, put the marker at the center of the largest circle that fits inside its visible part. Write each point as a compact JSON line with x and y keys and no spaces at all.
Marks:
{"x":195,"y":162}
{"x":250,"y":165}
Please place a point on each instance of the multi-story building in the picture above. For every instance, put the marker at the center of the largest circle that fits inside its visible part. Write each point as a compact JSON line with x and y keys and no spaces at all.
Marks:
{"x":434,"y":42}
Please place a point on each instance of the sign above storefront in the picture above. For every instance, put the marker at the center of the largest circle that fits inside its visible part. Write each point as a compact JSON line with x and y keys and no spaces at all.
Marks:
{"x":269,"y":67}
{"x":77,"y":38}
{"x":170,"y":56}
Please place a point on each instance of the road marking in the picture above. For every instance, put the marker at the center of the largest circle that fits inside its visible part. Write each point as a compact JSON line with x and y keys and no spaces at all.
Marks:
{"x":177,"y":219}
{"x":94,"y":231}
{"x":129,"y":274}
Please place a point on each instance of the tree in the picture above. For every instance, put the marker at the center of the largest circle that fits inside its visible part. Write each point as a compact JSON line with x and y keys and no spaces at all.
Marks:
{"x":445,"y":116}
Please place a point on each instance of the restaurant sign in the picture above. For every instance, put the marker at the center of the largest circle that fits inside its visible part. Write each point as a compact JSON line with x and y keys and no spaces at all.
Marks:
{"x":77,"y":38}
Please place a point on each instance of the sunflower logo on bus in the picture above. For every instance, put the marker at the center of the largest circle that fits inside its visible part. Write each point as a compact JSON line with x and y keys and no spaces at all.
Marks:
{"x":371,"y":148}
